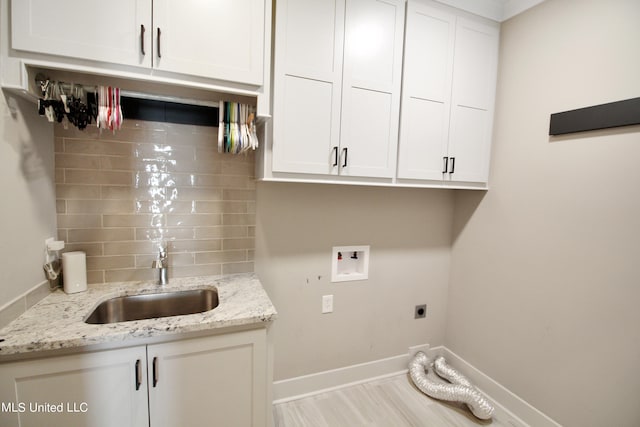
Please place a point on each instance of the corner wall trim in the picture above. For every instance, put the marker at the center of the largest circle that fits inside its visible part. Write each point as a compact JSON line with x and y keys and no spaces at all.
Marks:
{"x":14,"y":308}
{"x":519,"y":411}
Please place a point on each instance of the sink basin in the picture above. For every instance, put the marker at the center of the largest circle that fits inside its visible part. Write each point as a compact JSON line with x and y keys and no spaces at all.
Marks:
{"x":149,"y":306}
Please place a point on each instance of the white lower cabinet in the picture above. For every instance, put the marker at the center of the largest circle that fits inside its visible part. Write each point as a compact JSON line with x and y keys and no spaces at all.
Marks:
{"x":102,"y":383}
{"x":215,"y":380}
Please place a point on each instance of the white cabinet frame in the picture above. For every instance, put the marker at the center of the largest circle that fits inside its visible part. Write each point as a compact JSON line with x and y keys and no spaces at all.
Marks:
{"x":449,"y":85}
{"x":223,"y":378}
{"x":338,"y":70}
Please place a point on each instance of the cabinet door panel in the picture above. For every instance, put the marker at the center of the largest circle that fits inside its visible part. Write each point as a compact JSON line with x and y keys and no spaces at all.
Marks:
{"x":307,"y":85}
{"x":218,"y":39}
{"x":475,"y":65}
{"x":87,"y":29}
{"x":426,"y":97}
{"x":474,"y":87}
{"x":368,"y":134}
{"x":469,"y":143}
{"x":310,"y":39}
{"x":217,"y":380}
{"x":105,"y":381}
{"x":304,"y":141}
{"x":430,"y":37}
{"x":424,"y":138}
{"x":370,"y":42}
{"x":371,"y":86}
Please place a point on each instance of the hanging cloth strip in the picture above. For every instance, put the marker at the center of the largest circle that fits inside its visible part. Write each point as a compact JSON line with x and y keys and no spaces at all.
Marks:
{"x":236,"y":128}
{"x":60,"y":101}
{"x":109,"y":108}
{"x":65,"y":103}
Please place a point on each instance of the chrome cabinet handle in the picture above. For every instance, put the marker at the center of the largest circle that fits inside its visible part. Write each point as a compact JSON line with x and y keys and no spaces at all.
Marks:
{"x":156,"y":375}
{"x":142,"y":39}
{"x":158,"y":38}
{"x":446,"y":164}
{"x":138,"y":374}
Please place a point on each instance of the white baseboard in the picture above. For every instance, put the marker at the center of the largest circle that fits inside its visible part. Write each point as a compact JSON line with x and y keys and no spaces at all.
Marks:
{"x":519,"y":414}
{"x":308,"y":385}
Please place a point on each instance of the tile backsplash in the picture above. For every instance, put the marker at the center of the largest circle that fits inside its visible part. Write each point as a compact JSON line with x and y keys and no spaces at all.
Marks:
{"x":118,"y":195}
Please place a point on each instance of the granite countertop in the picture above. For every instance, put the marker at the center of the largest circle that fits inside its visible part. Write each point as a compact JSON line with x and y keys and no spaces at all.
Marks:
{"x":57,"y":322}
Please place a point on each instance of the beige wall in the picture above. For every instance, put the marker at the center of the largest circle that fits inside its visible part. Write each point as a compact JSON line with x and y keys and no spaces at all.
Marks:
{"x":120,"y":194}
{"x":409,"y":231}
{"x":545,"y":271}
{"x":544,"y":267}
{"x":27,"y":215}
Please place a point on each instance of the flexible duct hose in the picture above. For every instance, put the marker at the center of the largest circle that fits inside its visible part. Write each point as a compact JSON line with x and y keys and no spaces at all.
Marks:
{"x":460,"y":389}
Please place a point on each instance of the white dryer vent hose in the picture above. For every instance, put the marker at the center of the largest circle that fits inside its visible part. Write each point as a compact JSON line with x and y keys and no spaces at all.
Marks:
{"x":428,"y":377}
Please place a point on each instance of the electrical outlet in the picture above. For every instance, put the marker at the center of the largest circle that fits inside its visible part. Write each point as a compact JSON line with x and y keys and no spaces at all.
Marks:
{"x":327,"y":304}
{"x":420,"y":311}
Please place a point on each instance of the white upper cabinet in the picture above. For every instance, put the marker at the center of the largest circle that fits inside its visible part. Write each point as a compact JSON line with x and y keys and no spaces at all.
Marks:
{"x":337,"y":79}
{"x":371,"y":87}
{"x":118,"y":31}
{"x":472,"y":100}
{"x":307,"y":85}
{"x":448,"y":96}
{"x":218,"y":39}
{"x":426,"y":98}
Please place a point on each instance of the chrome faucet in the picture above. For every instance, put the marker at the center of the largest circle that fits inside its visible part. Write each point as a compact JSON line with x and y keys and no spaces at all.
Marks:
{"x":161,"y":264}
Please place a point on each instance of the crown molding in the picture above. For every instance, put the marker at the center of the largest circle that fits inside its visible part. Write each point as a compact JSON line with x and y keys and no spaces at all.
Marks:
{"x":496,"y":10}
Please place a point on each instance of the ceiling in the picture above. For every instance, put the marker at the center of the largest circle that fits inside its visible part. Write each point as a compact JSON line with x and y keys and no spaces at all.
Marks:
{"x":497,"y":10}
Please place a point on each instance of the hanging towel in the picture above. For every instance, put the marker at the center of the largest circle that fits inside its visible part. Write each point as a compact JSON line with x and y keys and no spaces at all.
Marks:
{"x":220,"y":127}
{"x":236,"y":128}
{"x":109,"y":108}
{"x":70,"y":103}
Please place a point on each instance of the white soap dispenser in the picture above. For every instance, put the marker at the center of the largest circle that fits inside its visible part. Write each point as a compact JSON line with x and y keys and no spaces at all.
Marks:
{"x":74,"y":270}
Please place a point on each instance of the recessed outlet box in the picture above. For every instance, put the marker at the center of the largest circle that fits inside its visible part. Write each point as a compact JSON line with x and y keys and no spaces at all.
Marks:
{"x":420,"y":311}
{"x":349,"y":263}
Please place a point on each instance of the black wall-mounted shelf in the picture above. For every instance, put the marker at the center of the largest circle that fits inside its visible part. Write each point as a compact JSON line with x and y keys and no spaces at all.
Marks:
{"x":604,"y":116}
{"x":168,"y":112}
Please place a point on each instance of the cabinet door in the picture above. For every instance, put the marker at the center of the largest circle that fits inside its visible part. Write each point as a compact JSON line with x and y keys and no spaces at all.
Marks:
{"x":474,"y":87}
{"x":426,"y":92}
{"x":88,"y":29}
{"x":307,"y":85}
{"x":93,"y":389}
{"x":219,"y":380}
{"x":217,"y":39}
{"x":371,"y":87}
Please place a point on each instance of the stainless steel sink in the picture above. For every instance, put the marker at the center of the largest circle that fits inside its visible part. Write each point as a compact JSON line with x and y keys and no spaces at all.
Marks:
{"x":149,"y":306}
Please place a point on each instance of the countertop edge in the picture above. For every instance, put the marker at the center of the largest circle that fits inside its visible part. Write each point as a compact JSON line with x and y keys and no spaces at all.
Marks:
{"x":56,"y":324}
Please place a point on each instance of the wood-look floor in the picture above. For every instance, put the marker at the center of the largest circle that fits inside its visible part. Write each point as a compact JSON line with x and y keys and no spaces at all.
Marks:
{"x":389,"y":402}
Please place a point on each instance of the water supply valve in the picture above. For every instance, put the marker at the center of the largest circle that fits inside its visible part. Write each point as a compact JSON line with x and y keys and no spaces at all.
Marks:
{"x":52,"y":265}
